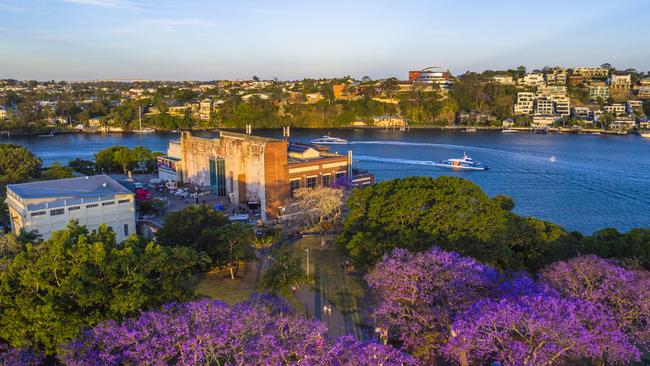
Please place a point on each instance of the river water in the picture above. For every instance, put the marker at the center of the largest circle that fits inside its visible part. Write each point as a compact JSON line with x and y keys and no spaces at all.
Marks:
{"x":582,"y":182}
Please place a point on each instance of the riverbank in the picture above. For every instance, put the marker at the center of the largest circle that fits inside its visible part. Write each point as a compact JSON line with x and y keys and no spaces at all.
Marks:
{"x":118,"y":131}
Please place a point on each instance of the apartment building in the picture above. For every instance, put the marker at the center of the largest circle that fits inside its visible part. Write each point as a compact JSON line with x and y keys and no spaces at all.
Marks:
{"x":544,"y":106}
{"x":266,"y":171}
{"x":621,"y":81}
{"x":433,"y":76}
{"x":503,"y":79}
{"x":582,"y":113}
{"x":591,"y":72}
{"x":206,"y":107}
{"x":643,"y":92}
{"x":562,"y":106}
{"x":556,"y":76}
{"x":525,"y":103}
{"x":598,"y":92}
{"x":389,"y":121}
{"x":48,"y":206}
{"x":534,"y":79}
{"x":634,"y":106}
{"x":552,"y":91}
{"x":615,"y":109}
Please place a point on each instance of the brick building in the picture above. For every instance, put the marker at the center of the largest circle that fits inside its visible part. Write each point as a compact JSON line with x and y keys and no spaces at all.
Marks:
{"x":248,"y":168}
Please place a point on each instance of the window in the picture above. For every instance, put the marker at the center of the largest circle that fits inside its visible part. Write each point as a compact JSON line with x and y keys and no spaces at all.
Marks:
{"x":294,"y":184}
{"x":311,"y":182}
{"x":340,"y":175}
{"x":57,"y":212}
{"x":74,"y":208}
{"x":92,"y":205}
{"x":327,"y":180}
{"x":126,"y":230}
{"x":124,"y":201}
{"x":38,"y":213}
{"x":108,"y":203}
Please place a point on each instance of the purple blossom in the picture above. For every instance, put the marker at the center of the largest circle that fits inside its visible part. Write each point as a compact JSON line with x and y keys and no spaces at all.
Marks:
{"x":262,"y":331}
{"x":538,"y":330}
{"x":418,"y":295}
{"x":624,"y":293}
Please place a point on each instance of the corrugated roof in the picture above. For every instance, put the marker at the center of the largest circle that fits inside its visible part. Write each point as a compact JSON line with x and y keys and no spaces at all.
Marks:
{"x":91,"y":186}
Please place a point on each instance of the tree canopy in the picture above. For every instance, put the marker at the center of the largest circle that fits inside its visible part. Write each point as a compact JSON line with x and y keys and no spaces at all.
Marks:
{"x":263,"y":331}
{"x":418,"y":212}
{"x":209,"y":231}
{"x":18,"y":164}
{"x":51,"y":291}
{"x":440,"y":304}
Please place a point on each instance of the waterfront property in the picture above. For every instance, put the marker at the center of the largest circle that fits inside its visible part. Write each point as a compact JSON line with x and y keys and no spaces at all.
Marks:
{"x":48,"y":206}
{"x":256,"y":170}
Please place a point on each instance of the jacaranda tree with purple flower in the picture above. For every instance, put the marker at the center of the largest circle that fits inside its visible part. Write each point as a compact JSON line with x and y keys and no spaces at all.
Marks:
{"x":260,"y":332}
{"x":418,"y":295}
{"x":624,"y":293}
{"x":538,"y":330}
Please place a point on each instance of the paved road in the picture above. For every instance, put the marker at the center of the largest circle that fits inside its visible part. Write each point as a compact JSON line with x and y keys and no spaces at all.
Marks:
{"x":313,"y":300}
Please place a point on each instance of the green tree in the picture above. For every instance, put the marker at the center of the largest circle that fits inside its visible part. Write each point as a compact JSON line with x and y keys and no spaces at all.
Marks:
{"x":282,"y":273}
{"x":18,"y":164}
{"x":57,"y":171}
{"x":632,"y":247}
{"x":125,"y":158}
{"x":228,"y":245}
{"x":185,"y":227}
{"x":49,"y":293}
{"x":418,"y":212}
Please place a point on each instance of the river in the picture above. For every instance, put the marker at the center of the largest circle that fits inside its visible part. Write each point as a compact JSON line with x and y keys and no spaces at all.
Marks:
{"x":582,"y":182}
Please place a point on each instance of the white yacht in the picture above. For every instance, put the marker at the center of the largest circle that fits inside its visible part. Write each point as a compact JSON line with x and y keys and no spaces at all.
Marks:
{"x":645,"y":134}
{"x":329,"y":140}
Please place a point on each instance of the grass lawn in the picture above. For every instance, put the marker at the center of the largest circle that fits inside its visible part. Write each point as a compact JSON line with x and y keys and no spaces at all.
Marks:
{"x":218,"y":285}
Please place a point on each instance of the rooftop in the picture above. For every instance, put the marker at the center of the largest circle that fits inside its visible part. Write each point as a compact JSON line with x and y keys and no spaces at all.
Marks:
{"x":90,"y":186}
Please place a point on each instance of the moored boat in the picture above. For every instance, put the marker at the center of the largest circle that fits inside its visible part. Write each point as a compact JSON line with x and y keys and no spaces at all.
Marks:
{"x":509,"y":130}
{"x":645,"y":134}
{"x":465,"y":163}
{"x":329,"y":140}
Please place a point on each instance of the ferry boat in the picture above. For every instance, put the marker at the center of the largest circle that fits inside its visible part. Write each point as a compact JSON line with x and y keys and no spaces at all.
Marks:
{"x":329,"y":140}
{"x":465,"y":162}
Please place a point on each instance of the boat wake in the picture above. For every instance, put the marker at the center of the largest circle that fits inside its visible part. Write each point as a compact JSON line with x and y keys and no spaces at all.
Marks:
{"x":379,"y":159}
{"x":429,"y":144}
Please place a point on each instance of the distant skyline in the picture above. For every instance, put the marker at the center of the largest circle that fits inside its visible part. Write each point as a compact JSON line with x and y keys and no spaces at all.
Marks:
{"x":207,"y":40}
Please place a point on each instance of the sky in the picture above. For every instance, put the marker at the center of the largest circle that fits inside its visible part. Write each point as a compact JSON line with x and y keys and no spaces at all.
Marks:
{"x":289,"y":40}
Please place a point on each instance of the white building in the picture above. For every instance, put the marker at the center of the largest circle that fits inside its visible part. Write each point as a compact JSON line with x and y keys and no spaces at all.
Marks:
{"x":3,"y":113}
{"x":591,"y":72}
{"x":525,"y":103}
{"x":533,"y":79}
{"x":562,"y":106}
{"x":634,"y":105}
{"x":504,"y":79}
{"x":48,"y":206}
{"x":615,"y":109}
{"x":598,"y":92}
{"x":544,"y":106}
{"x":621,"y":82}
